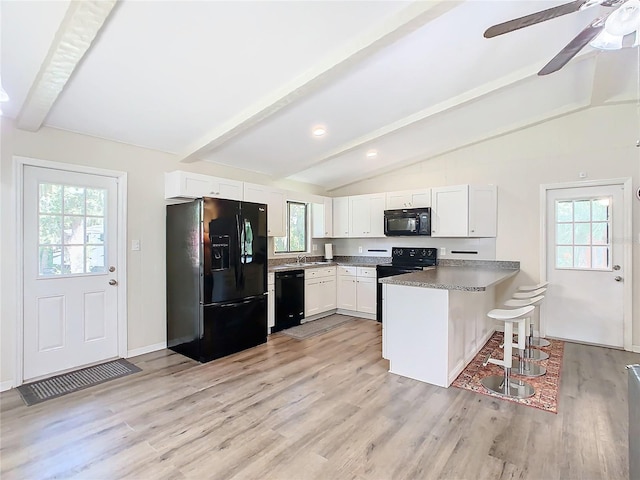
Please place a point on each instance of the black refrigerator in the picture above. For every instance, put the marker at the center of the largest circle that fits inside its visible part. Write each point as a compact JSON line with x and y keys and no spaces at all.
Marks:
{"x":216,"y":277}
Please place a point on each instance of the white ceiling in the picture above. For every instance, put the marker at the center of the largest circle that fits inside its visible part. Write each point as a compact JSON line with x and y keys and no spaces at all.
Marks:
{"x":243,"y":83}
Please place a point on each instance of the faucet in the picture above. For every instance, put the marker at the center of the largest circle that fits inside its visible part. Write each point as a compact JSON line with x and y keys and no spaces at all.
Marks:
{"x":301,"y":258}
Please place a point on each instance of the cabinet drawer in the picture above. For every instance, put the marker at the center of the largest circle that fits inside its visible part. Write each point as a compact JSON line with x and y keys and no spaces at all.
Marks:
{"x":348,"y":271}
{"x":320,"y":272}
{"x":366,"y":272}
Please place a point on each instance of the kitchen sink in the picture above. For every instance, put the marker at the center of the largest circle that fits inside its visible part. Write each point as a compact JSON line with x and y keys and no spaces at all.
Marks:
{"x":304,"y":264}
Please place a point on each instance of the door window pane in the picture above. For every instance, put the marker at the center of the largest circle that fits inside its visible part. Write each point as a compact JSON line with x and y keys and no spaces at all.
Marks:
{"x":582,"y":234}
{"x":564,"y":211}
{"x":71,"y":229}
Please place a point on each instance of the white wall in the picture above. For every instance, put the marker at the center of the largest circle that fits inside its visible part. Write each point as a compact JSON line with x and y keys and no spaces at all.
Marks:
{"x":600,"y":141}
{"x":146,"y":222}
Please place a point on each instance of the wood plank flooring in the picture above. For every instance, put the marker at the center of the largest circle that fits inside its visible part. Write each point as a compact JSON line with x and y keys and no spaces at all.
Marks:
{"x":322,"y":408}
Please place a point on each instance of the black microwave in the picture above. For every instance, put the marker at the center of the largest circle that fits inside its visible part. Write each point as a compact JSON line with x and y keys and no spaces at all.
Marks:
{"x":407,"y":221}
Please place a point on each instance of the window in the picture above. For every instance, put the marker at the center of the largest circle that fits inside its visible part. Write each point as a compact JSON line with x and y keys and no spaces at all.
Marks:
{"x":71,"y":225}
{"x":583,"y":241}
{"x":296,"y":238}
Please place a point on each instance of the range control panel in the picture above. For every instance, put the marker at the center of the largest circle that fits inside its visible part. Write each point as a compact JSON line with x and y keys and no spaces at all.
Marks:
{"x":414,"y":256}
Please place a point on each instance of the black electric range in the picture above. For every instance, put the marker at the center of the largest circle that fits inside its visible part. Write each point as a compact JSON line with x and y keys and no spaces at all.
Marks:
{"x":403,"y":260}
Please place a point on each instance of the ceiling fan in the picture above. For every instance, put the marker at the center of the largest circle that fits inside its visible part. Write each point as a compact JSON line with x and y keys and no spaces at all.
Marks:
{"x":612,"y":31}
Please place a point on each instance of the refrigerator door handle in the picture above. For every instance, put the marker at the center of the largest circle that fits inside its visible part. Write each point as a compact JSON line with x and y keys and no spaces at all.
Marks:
{"x":243,"y":301}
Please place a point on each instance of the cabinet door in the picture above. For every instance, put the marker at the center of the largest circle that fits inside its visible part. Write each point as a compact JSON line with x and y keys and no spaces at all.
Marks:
{"x":341,"y":217}
{"x":421,"y":198}
{"x":181,"y":184}
{"x":275,"y":200}
{"x":366,"y":295}
{"x":376,"y":216}
{"x":360,"y":215}
{"x":397,"y":200}
{"x":276,"y":213}
{"x":367,"y":215}
{"x":328,"y":294}
{"x":322,"y":219}
{"x":450,"y":212}
{"x":346,"y":294}
{"x":483,"y":210}
{"x":312,"y":297}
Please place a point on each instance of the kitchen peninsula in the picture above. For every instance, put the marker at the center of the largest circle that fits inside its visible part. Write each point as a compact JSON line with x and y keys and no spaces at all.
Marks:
{"x":435,"y":320}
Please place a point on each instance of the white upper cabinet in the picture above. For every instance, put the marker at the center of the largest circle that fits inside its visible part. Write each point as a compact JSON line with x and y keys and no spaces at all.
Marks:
{"x":408,"y":199}
{"x":464,"y":211}
{"x":276,"y":201}
{"x":340,"y":217}
{"x":366,"y":214}
{"x":181,"y":184}
{"x":483,"y":210}
{"x":322,"y":218}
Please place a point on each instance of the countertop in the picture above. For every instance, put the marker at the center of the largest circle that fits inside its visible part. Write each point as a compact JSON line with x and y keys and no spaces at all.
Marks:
{"x":304,"y":266}
{"x":471,"y":279}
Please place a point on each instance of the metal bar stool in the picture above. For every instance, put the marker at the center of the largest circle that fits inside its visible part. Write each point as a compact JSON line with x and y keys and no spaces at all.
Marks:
{"x":531,"y":352}
{"x":535,"y":341}
{"x":524,"y":366}
{"x":505,"y":385}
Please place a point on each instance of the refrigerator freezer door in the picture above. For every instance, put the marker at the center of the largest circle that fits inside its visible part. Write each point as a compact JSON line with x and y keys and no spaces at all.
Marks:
{"x":233,"y":327}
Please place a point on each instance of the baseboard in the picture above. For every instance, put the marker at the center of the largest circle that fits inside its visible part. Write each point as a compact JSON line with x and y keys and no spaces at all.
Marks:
{"x":635,"y":348}
{"x":4,"y":386}
{"x":353,"y":313}
{"x":148,"y":349}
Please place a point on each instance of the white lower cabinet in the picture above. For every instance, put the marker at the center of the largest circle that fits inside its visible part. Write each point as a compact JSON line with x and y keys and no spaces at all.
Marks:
{"x":271,"y":302}
{"x":357,"y":290}
{"x":319,"y":291}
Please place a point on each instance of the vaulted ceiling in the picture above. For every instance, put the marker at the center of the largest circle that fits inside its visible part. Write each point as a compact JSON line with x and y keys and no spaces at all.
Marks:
{"x":244,"y":83}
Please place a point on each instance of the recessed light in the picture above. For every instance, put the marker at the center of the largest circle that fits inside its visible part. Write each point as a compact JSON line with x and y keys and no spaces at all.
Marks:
{"x":319,"y":131}
{"x":372,"y":154}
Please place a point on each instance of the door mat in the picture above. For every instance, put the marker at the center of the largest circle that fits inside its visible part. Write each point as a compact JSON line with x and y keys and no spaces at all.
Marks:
{"x":546,"y":386}
{"x":316,"y":327}
{"x":37,"y":392}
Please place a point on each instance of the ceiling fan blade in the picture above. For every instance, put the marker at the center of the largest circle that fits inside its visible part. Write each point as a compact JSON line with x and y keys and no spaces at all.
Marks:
{"x":573,"y":47}
{"x":538,"y":17}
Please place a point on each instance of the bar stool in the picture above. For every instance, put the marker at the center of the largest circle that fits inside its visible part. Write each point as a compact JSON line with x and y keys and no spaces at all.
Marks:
{"x":505,"y":385}
{"x":535,"y":341}
{"x":532,"y":353}
{"x":524,"y":366}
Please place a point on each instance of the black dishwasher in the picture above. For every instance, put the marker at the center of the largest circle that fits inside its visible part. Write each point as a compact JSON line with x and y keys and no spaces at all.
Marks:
{"x":289,"y":299}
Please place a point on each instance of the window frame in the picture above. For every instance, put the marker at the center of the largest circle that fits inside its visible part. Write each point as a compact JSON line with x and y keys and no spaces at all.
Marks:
{"x":288,"y":230}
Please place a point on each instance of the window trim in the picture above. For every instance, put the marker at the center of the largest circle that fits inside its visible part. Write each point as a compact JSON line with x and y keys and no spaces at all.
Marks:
{"x":288,"y":231}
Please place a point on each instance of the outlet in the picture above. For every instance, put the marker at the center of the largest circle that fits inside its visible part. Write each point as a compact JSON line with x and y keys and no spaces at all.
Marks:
{"x":314,"y":247}
{"x":443,"y":251}
{"x":359,"y":249}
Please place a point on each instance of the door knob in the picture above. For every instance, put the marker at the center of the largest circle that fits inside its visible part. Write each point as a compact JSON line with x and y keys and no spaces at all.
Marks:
{"x":112,"y":268}
{"x":616,"y":267}
{"x":113,"y":282}
{"x":618,"y":278}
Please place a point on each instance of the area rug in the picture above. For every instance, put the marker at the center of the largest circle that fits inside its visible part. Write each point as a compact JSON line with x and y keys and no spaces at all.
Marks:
{"x":316,"y":327}
{"x":546,"y":386}
{"x":37,"y":392}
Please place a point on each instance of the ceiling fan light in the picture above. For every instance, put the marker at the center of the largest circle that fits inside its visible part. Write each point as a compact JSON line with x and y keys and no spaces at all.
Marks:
{"x":625,"y":20}
{"x":606,"y":41}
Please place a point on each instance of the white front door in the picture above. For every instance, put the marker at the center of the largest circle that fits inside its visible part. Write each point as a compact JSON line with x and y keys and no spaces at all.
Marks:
{"x":585,"y":265}
{"x":69,"y":270}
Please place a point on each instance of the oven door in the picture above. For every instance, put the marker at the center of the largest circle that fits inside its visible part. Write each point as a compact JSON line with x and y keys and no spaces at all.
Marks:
{"x":383,"y":271}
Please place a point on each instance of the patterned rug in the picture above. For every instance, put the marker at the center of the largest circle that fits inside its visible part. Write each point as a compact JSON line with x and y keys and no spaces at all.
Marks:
{"x":546,"y":386}
{"x":37,"y":392}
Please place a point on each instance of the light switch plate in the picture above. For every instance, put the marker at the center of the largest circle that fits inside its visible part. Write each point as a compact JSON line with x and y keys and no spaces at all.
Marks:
{"x":135,"y":245}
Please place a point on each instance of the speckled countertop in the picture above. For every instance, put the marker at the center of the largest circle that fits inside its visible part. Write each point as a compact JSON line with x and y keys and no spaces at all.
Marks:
{"x":470,"y":279}
{"x":316,"y":262}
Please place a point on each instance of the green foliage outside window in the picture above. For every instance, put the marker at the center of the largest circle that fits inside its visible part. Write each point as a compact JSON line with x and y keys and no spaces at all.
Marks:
{"x":296,"y":238}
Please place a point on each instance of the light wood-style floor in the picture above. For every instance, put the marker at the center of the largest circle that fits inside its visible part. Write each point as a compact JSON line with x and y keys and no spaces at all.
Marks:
{"x":323,"y":408}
